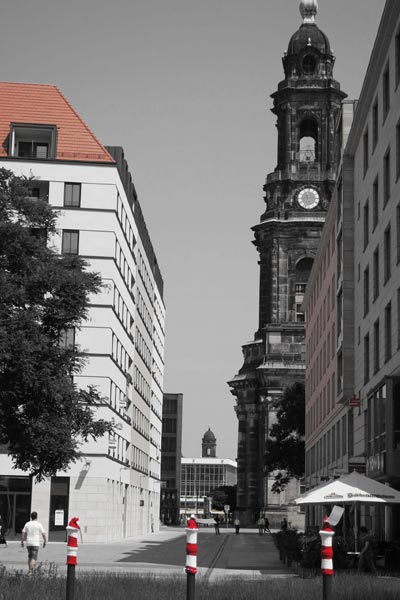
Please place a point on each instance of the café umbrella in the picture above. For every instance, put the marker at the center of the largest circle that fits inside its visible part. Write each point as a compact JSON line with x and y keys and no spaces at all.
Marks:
{"x":354,"y":489}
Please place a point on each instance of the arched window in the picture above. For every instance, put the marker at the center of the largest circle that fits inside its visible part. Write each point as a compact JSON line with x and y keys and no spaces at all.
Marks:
{"x":308,"y":140}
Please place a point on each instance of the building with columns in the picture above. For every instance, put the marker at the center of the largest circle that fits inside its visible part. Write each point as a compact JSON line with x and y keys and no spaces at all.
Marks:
{"x":307,"y":105}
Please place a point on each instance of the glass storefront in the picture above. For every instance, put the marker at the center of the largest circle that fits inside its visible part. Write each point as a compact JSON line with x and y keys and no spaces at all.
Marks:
{"x":15,"y":504}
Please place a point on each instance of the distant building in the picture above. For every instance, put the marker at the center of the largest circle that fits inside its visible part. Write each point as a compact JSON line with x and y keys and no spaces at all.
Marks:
{"x":200,"y":476}
{"x":115,"y":487}
{"x":171,"y":452}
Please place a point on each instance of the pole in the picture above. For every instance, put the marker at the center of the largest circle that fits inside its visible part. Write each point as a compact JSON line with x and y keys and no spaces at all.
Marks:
{"x":72,"y":560}
{"x":191,"y":557}
{"x":326,"y":534}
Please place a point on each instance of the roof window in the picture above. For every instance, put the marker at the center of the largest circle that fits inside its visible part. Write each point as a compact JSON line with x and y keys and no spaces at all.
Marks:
{"x":36,"y":142}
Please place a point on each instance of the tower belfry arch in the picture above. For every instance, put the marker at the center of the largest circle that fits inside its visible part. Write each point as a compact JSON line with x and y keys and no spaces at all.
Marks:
{"x":307,"y":106}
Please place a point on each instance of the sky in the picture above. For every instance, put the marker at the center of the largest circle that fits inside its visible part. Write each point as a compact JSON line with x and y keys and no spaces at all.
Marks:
{"x":184,"y":86}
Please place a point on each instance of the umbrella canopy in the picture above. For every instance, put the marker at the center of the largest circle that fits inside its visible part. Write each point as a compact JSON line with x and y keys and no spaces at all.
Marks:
{"x":351,"y":488}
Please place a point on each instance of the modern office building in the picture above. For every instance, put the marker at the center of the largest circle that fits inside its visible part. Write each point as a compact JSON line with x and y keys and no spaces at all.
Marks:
{"x":171,"y":453}
{"x":115,"y":488}
{"x":307,"y":105}
{"x":201,"y":476}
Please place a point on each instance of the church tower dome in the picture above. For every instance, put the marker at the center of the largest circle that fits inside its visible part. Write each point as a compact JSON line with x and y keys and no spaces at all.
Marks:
{"x":209,"y":444}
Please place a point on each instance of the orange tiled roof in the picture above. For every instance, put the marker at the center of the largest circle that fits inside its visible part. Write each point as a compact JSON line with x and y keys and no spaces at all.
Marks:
{"x":45,"y":105}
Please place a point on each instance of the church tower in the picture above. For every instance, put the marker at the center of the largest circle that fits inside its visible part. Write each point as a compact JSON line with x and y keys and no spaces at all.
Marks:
{"x":209,"y":445}
{"x":307,"y":105}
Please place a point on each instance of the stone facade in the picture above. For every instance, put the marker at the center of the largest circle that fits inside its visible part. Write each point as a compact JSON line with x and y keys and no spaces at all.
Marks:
{"x":307,"y":105}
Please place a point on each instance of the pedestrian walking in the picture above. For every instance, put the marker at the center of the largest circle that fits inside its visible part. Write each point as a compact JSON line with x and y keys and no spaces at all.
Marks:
{"x":366,"y":563}
{"x":284,"y":524}
{"x":266,"y":527}
{"x":237,"y":525}
{"x":216,"y":524}
{"x":261,"y":525}
{"x":3,"y":532}
{"x":31,"y":534}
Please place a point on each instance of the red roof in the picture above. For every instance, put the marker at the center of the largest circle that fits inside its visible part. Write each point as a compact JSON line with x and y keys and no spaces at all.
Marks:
{"x":39,"y":104}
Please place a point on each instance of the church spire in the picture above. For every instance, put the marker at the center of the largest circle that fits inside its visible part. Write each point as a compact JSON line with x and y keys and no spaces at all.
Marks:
{"x":308,"y":10}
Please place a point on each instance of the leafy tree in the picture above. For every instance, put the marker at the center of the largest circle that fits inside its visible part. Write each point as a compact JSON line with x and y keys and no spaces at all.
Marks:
{"x":225,"y":494}
{"x":43,"y":416}
{"x":285,"y":448}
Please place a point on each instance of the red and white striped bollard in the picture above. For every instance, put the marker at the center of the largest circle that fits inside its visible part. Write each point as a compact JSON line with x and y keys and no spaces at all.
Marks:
{"x":191,"y":556}
{"x":72,"y":559}
{"x":326,"y":534}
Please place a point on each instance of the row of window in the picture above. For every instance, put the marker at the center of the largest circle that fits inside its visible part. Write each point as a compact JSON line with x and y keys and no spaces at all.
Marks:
{"x":141,"y":385}
{"x":330,"y":447}
{"x":322,"y":406}
{"x":375,"y":114}
{"x":140,"y":460}
{"x":321,"y":362}
{"x":120,"y":354}
{"x":123,"y":267}
{"x":141,"y":423}
{"x":324,"y":266}
{"x":160,"y":314}
{"x":157,"y":374}
{"x":122,"y":311}
{"x":156,"y":404}
{"x":158,"y":344}
{"x":144,"y":274}
{"x":118,"y":447}
{"x":376,"y":341}
{"x":118,"y":399}
{"x":143,"y":349}
{"x":144,"y":313}
{"x":322,"y":319}
{"x":124,"y":222}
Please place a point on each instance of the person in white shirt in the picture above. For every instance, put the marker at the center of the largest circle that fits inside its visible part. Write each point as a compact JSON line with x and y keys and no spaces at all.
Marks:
{"x":31,"y":534}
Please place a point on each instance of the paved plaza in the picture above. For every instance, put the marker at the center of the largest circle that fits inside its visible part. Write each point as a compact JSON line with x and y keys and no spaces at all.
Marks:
{"x":164,"y":553}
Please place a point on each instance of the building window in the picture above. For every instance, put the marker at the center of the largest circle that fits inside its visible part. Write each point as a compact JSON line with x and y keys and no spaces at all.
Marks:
{"x":366,"y":224}
{"x":386,"y":254}
{"x":72,"y":194}
{"x":398,"y":317}
{"x":366,"y":151}
{"x":397,"y":150}
{"x":386,"y":92}
{"x":70,"y":242}
{"x":386,"y":177}
{"x":366,"y":291}
{"x":375,"y":203}
{"x":376,"y":274}
{"x":375,"y":130}
{"x":366,"y":358}
{"x":67,"y":338}
{"x":376,"y":346}
{"x":388,"y":331}
{"x":398,"y":233}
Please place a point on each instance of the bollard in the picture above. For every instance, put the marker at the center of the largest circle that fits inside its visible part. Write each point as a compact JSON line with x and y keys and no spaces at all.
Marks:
{"x":72,"y":546}
{"x":191,"y":557}
{"x":326,"y":534}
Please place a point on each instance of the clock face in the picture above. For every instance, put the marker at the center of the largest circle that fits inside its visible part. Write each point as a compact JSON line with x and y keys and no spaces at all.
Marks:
{"x":308,"y":198}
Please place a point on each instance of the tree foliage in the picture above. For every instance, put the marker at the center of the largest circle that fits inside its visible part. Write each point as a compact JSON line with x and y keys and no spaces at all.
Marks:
{"x":43,"y":416}
{"x":285,"y":448}
{"x":225,"y":494}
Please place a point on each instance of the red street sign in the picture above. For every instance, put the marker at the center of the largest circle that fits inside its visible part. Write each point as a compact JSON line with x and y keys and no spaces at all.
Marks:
{"x":354,"y":401}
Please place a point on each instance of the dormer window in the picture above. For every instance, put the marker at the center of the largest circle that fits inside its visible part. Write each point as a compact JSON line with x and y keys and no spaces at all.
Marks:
{"x":37,"y":142}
